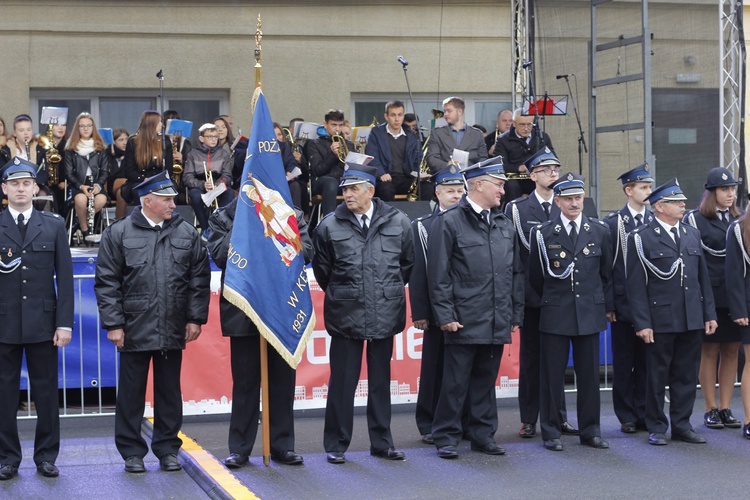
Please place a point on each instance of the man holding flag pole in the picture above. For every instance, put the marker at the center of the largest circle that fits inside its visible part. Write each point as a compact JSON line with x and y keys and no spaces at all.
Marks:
{"x":265,"y":277}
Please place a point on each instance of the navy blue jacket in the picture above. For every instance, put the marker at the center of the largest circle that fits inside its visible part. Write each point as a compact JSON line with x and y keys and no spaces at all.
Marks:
{"x":714,"y":239}
{"x":679,"y":304}
{"x":737,"y":276}
{"x":526,"y":212}
{"x":616,"y":220}
{"x":576,"y":305}
{"x":377,"y":147}
{"x":419,"y":296}
{"x":37,"y":295}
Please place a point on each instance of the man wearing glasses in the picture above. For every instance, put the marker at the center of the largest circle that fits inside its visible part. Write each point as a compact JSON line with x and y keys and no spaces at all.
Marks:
{"x":516,"y":146}
{"x":208,"y":158}
{"x":475,"y":281}
{"x":671,"y":303}
{"x":525,"y":213}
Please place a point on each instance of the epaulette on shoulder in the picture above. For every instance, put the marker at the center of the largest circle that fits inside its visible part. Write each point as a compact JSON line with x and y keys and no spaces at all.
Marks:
{"x":423,"y":218}
{"x":52,"y":215}
{"x":639,"y":229}
{"x":519,"y":199}
{"x":612,"y":214}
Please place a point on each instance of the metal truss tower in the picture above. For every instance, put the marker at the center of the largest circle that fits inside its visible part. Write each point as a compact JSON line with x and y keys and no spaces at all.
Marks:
{"x":732,"y":55}
{"x":520,"y":44}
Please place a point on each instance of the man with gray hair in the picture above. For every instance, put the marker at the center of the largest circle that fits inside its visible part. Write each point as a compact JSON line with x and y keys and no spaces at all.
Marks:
{"x":476,"y":280}
{"x":152,"y":288}
{"x":363,"y":258}
{"x":516,"y":146}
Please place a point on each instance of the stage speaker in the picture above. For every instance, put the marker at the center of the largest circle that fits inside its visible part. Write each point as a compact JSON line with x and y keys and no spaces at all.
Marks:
{"x":412,"y":209}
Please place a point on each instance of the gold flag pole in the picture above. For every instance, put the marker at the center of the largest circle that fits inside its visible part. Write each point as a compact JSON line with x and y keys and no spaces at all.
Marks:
{"x":265,"y":417}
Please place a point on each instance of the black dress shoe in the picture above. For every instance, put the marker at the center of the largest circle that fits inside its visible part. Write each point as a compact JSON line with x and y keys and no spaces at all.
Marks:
{"x":427,"y":439}
{"x":134,"y":465}
{"x":628,"y":428}
{"x":236,"y":460}
{"x":689,"y":437}
{"x":335,"y":457}
{"x":490,"y":448}
{"x":568,"y":429}
{"x":389,"y":454}
{"x":8,"y":472}
{"x":527,"y":431}
{"x":47,"y":469}
{"x":746,"y":431}
{"x":596,"y":442}
{"x":728,"y":419}
{"x":449,"y":451}
{"x":712,"y":419}
{"x":657,"y":439}
{"x":169,"y":463}
{"x":553,"y":445}
{"x":287,"y":458}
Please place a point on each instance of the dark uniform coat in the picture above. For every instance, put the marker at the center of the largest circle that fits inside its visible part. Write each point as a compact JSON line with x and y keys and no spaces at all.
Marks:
{"x":364,"y":276}
{"x":475,"y":275}
{"x":152,"y":283}
{"x":677,"y":304}
{"x":737,"y":276}
{"x":419,"y":298}
{"x":31,"y":306}
{"x":576,"y":305}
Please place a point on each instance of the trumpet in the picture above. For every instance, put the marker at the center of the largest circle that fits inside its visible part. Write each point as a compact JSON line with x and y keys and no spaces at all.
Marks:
{"x":517,"y":176}
{"x":210,"y":180}
{"x":343,"y":149}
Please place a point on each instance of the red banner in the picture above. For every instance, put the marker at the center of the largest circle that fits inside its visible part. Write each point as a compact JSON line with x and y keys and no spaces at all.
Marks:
{"x":207,"y":380}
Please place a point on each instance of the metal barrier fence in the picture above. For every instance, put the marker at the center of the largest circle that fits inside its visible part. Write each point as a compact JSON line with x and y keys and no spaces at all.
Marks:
{"x":88,"y":366}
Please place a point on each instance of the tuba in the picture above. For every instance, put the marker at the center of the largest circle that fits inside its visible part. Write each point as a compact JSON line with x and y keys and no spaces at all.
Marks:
{"x":343,"y":150}
{"x":48,"y":143}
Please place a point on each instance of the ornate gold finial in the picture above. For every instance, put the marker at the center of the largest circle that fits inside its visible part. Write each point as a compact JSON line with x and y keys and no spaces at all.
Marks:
{"x":258,"y":38}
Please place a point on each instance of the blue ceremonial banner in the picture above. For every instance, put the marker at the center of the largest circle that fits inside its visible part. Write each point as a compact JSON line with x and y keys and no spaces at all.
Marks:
{"x":265,"y":273}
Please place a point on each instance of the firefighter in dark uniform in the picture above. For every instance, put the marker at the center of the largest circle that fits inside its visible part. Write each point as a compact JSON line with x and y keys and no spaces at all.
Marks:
{"x":717,"y":210}
{"x":671,"y":302}
{"x":245,"y":360}
{"x":628,"y":351}
{"x":449,"y":188}
{"x":363,"y":258}
{"x":475,"y":281}
{"x":527,"y":212}
{"x":36,"y":307}
{"x":570,"y":267}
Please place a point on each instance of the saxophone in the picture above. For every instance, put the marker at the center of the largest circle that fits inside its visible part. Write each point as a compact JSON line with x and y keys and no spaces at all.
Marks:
{"x":48,"y":142}
{"x":176,"y":167}
{"x":424,"y":171}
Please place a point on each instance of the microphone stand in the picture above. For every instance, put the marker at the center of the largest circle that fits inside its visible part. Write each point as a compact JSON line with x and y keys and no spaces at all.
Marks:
{"x":581,"y":139}
{"x":160,"y":76}
{"x":534,"y":103}
{"x":404,"y":64}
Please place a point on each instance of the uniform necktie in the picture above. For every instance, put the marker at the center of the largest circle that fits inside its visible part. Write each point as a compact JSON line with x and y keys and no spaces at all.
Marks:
{"x":638,"y":219}
{"x":676,"y":235}
{"x":485,"y":216}
{"x":157,"y":227}
{"x":21,"y":226}
{"x":364,"y":224}
{"x":724,"y":216}
{"x":545,"y":206}
{"x":573,"y":233}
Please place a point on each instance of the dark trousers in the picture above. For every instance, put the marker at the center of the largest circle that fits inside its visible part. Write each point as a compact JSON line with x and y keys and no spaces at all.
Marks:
{"x":328,"y":188}
{"x":529,"y":370}
{"x":400,"y":184}
{"x":629,"y":373}
{"x":131,"y":402}
{"x":200,"y":208}
{"x":346,"y":363}
{"x":555,"y":350}
{"x":475,"y":366}
{"x":41,"y":361}
{"x":673,"y":359}
{"x":430,"y":378}
{"x":243,"y":424}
